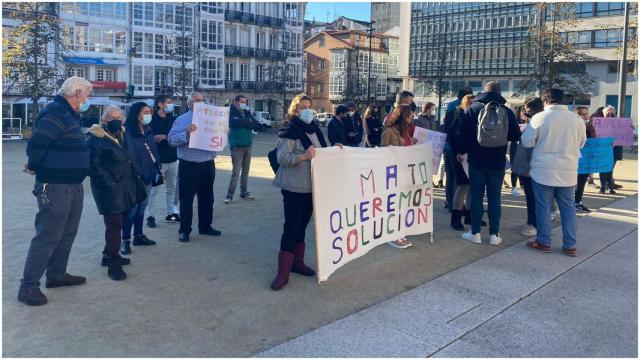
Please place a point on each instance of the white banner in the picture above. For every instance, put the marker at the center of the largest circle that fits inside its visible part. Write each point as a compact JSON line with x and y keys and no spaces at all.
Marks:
{"x":212,"y":124}
{"x":435,"y":138}
{"x":366,"y":197}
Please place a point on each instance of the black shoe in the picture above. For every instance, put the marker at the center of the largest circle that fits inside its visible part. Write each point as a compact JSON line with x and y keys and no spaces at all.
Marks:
{"x":115,"y":271}
{"x":142,"y":240}
{"x":446,"y":205}
{"x":172,"y":219}
{"x":246,"y":196}
{"x":582,"y":208}
{"x":612,"y":192}
{"x":32,"y":296}
{"x":124,"y":261}
{"x":456,"y":224}
{"x":151,"y":222}
{"x":616,"y":186}
{"x":125,"y":247}
{"x":183,"y":237}
{"x":601,"y":190}
{"x":440,"y":184}
{"x":67,"y":280}
{"x":211,"y":232}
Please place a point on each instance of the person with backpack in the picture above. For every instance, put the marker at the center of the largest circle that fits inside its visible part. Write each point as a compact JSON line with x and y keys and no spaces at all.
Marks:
{"x":556,"y":136}
{"x":296,"y":147}
{"x":487,"y":128}
{"x":241,"y":125}
{"x":337,"y":129}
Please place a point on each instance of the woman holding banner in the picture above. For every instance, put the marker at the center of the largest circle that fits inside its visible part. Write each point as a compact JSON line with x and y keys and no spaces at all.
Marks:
{"x":296,"y":147}
{"x":397,"y":133}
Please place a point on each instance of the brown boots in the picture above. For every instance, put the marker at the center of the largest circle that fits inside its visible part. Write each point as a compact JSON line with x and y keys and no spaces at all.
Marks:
{"x":290,"y":262}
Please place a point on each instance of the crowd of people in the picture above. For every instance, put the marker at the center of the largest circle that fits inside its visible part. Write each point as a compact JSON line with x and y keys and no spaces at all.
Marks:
{"x":129,"y":158}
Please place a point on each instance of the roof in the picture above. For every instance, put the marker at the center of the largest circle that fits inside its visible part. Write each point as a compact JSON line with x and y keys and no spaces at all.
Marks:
{"x":363,"y":23}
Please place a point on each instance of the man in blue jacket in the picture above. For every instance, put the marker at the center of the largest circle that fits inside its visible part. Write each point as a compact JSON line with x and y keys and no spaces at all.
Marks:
{"x":59,"y":158}
{"x":486,"y":164}
{"x":337,"y":130}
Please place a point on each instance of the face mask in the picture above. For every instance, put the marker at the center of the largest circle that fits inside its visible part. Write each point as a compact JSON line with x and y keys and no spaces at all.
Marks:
{"x":244,"y":107}
{"x":84,"y":106}
{"x":146,"y":119}
{"x":114,"y":126}
{"x":169,"y":108}
{"x":351,"y":113}
{"x":528,"y":115}
{"x":306,"y":115}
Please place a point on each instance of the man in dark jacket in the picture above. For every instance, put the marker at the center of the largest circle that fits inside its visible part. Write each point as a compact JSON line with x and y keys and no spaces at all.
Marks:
{"x":486,"y":164}
{"x":241,"y":125}
{"x":59,"y":158}
{"x":161,"y":124}
{"x":353,"y":123}
{"x":337,"y":130}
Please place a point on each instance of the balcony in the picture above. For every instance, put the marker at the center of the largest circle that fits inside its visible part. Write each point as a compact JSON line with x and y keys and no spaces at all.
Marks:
{"x":164,"y":90}
{"x":239,"y":85}
{"x":241,"y":51}
{"x":239,"y":16}
{"x":295,"y":53}
{"x":268,"y":86}
{"x":270,"y":54}
{"x":262,"y":20}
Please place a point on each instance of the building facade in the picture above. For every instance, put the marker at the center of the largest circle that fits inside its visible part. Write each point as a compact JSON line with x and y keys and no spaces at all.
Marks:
{"x":135,"y":51}
{"x":385,"y":15}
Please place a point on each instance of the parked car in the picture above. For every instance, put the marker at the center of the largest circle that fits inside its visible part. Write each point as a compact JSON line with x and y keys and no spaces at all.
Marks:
{"x":264,"y":118}
{"x":323,"y":119}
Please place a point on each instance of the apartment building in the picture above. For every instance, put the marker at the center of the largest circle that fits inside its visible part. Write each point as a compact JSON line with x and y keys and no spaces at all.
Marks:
{"x":337,"y":68}
{"x":385,"y":15}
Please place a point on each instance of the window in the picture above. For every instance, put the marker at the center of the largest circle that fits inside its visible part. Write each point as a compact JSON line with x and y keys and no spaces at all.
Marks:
{"x":321,"y":64}
{"x":96,"y":9}
{"x":609,"y":8}
{"x":259,"y":72}
{"x":321,"y":41}
{"x":81,"y":38}
{"x":245,"y":38}
{"x":613,"y":100}
{"x":607,"y":38}
{"x":229,"y":70}
{"x":580,"y":39}
{"x":211,"y":34}
{"x":211,"y":71}
{"x":120,"y":42}
{"x":148,"y":78}
{"x":260,"y":40}
{"x":77,"y":71}
{"x":584,"y":9}
{"x":212,"y":7}
{"x":244,"y":72}
{"x":320,"y":88}
{"x":105,"y":75}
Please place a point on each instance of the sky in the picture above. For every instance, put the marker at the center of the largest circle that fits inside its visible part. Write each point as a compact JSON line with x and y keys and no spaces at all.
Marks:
{"x":353,"y":10}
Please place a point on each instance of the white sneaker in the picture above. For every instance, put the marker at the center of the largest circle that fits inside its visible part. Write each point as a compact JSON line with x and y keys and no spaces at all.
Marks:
{"x":254,"y":132}
{"x":474,"y":238}
{"x":495,"y":240}
{"x":529,"y":230}
{"x":406,"y":242}
{"x":515,"y":192}
{"x":398,"y":244}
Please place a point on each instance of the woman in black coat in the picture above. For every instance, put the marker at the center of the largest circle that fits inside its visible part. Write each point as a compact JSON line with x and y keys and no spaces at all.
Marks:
{"x":373,"y":126}
{"x":147,"y":161}
{"x":114,"y":181}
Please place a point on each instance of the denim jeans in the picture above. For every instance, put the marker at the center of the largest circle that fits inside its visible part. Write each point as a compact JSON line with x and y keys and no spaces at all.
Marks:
{"x":135,"y":218}
{"x":170,"y":172}
{"x":565,"y":197}
{"x":57,"y":220}
{"x":491,"y":181}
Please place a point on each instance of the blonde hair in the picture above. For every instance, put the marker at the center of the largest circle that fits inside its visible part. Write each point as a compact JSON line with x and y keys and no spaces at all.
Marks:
{"x":293,"y":107}
{"x":466,"y":101}
{"x":608,"y":109}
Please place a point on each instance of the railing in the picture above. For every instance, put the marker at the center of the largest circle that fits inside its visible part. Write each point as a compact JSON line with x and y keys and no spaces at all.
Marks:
{"x":9,"y":131}
{"x":268,"y":86}
{"x":239,"y":85}
{"x":269,"y":54}
{"x":269,"y":21}
{"x":232,"y":50}
{"x":163,"y":90}
{"x":239,"y":16}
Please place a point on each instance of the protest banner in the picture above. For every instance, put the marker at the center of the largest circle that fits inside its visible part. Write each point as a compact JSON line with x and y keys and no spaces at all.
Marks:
{"x":596,"y":156}
{"x":621,"y":129}
{"x":363,"y":198}
{"x":435,"y":138}
{"x":212,"y":124}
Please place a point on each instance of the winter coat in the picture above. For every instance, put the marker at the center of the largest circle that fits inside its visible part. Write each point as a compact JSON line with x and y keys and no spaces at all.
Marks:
{"x":241,"y":125}
{"x":112,"y":171}
{"x":375,"y":130}
{"x":144,"y":162}
{"x":337,"y":132}
{"x":426,"y":121}
{"x":161,"y":126}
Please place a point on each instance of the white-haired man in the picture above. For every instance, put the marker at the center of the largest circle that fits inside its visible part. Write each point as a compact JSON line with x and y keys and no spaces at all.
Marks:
{"x":59,"y":158}
{"x":197,"y":172}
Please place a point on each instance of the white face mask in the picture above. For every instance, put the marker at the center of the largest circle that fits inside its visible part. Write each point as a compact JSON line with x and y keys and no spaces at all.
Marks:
{"x":244,"y":106}
{"x":351,"y":113}
{"x":146,"y":119}
{"x":306,"y":115}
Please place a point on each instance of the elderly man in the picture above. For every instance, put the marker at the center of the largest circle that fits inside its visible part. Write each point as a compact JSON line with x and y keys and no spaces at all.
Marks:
{"x":197,"y":172}
{"x":59,"y":158}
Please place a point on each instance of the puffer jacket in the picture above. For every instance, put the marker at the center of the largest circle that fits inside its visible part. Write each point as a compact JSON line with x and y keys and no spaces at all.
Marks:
{"x":112,"y":171}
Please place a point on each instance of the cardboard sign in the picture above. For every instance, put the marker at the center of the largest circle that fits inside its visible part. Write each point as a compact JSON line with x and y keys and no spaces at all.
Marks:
{"x":435,"y":138}
{"x":621,"y":129}
{"x":363,"y":198}
{"x":212,"y":124}
{"x":596,"y":156}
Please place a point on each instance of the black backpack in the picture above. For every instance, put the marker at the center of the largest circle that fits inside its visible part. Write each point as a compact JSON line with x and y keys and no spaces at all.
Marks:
{"x":273,"y":160}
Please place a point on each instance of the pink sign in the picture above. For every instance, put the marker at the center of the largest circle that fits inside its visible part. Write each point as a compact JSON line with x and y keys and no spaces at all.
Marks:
{"x":621,"y":129}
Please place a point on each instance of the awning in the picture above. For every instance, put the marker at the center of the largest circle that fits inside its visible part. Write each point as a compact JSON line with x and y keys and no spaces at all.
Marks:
{"x":42,"y":100}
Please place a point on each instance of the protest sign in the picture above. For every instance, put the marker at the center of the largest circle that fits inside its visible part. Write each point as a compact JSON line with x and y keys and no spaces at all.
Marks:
{"x":621,"y":129}
{"x":596,"y":156}
{"x":363,"y":198}
{"x":435,"y":138}
{"x":212,"y":124}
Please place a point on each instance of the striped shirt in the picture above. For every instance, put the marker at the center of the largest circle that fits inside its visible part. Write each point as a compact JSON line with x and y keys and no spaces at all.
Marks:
{"x":179,"y":137}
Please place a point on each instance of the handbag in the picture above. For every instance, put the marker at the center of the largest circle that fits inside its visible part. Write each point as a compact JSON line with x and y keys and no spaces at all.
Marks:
{"x":159,"y":179}
{"x":521,"y":161}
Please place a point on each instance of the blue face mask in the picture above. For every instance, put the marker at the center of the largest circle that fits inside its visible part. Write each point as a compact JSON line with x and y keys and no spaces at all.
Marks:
{"x":84,"y":106}
{"x":244,"y":107}
{"x":306,"y":115}
{"x":146,"y":119}
{"x":169,"y":108}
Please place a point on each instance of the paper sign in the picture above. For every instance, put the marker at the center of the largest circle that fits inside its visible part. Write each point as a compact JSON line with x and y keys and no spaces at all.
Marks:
{"x":363,"y":198}
{"x":435,"y":138}
{"x":621,"y":129}
{"x":212,"y":124}
{"x":596,"y":156}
